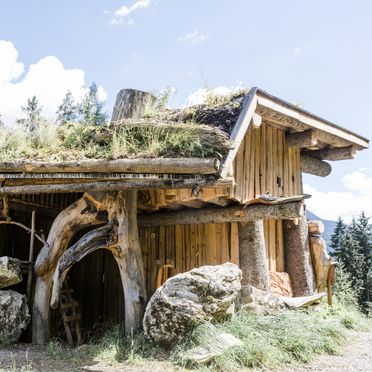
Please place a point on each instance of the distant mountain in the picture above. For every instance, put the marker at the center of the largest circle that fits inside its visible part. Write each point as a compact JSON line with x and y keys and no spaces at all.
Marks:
{"x":329,"y":227}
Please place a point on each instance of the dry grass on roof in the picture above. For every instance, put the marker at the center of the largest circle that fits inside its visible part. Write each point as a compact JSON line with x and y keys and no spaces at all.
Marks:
{"x":146,"y":139}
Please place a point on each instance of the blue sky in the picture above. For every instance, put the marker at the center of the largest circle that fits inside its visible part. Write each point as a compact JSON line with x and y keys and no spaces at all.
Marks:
{"x":318,"y":53}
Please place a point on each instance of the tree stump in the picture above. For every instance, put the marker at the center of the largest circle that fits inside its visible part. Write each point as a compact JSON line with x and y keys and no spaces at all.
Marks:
{"x":298,"y":259}
{"x":132,"y":104}
{"x":252,"y":255}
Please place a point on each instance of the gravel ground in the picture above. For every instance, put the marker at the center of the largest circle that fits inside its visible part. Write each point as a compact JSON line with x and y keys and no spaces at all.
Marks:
{"x":356,"y":356}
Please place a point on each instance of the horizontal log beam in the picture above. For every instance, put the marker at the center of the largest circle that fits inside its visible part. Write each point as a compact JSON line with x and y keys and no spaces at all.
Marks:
{"x":314,"y":166}
{"x":334,"y":153}
{"x":129,"y":184}
{"x":290,"y":210}
{"x":157,"y":165}
{"x":302,"y":139}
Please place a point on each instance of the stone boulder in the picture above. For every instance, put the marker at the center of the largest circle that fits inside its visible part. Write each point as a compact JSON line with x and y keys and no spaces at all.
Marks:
{"x":202,"y":294}
{"x":10,"y":271}
{"x":261,"y":302}
{"x":14,"y":315}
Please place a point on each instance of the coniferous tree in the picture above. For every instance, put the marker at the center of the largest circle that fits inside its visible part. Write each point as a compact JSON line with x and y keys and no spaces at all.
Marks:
{"x":67,"y":110}
{"x":91,"y":108}
{"x":32,"y":113}
{"x":338,"y":235}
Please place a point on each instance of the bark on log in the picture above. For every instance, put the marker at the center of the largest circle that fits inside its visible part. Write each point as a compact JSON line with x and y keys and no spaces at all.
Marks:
{"x":306,"y":138}
{"x":239,"y":213}
{"x":65,"y":226}
{"x":334,"y":153}
{"x":312,"y":165}
{"x":141,"y":165}
{"x":298,"y":259}
{"x":128,"y":184}
{"x":252,"y":255}
{"x":132,"y":104}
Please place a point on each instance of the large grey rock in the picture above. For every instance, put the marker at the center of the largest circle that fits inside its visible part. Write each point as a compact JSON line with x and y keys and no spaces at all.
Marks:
{"x":10,"y":271}
{"x":202,"y":294}
{"x":14,"y":315}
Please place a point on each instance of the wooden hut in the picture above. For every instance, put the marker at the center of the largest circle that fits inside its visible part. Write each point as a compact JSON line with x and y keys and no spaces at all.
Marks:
{"x":119,"y":228}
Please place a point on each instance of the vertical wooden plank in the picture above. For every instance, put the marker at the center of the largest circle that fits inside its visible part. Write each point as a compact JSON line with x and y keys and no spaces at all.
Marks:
{"x":257,"y":165}
{"x":280,"y":254}
{"x":246,"y":162}
{"x":187,"y":249}
{"x":203,"y":248}
{"x":211,"y":243}
{"x":285,"y":168}
{"x":234,"y":243}
{"x":263,"y":159}
{"x":179,"y":252}
{"x":280,"y":162}
{"x":224,"y":247}
{"x":272,"y":239}
{"x":218,"y":243}
{"x":290,"y":171}
{"x":192,"y":243}
{"x":275,"y":161}
{"x":269,"y":163}
{"x":267,"y":242}
{"x":298,"y":172}
{"x":252,"y":153}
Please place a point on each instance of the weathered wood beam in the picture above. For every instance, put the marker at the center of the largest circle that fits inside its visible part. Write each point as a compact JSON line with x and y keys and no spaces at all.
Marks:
{"x":239,"y":213}
{"x":306,"y":138}
{"x":314,"y":166}
{"x":156,"y":166}
{"x":129,"y":184}
{"x":334,"y":153}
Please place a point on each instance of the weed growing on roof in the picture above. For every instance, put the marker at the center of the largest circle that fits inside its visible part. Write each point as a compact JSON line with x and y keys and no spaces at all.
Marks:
{"x":72,"y":141}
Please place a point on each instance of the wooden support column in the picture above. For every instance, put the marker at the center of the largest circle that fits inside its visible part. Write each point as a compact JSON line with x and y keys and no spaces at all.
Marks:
{"x":252,"y":255}
{"x":298,"y":259}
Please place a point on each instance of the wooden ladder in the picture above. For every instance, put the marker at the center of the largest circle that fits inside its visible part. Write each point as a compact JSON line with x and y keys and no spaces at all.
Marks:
{"x":69,"y":309}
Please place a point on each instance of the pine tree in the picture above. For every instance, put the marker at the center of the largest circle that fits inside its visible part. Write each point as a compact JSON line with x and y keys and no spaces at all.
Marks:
{"x":32,"y":113}
{"x":67,"y":110}
{"x":338,"y":235}
{"x":91,"y":108}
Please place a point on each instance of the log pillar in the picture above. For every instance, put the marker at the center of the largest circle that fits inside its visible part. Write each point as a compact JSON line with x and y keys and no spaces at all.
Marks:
{"x":252,"y":255}
{"x":298,"y":259}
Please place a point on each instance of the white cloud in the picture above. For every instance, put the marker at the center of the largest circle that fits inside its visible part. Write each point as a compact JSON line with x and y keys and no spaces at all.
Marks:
{"x":193,"y":38}
{"x":9,"y":67}
{"x":48,"y":79}
{"x":332,"y":204}
{"x":125,"y":11}
{"x":296,"y":51}
{"x":200,"y":96}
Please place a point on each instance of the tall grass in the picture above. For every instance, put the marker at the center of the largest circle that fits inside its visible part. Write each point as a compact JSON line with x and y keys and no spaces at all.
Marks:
{"x":79,"y":141}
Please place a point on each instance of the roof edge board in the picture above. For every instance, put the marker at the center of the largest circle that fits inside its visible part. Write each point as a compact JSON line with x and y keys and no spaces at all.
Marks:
{"x":309,"y":119}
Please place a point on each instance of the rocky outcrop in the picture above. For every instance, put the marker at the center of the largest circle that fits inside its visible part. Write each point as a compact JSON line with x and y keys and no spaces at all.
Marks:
{"x":10,"y":272}
{"x":202,"y":294}
{"x":14,"y":315}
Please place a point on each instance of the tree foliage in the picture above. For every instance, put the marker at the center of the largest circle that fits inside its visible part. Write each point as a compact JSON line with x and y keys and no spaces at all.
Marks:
{"x":352,"y":245}
{"x":67,"y":110}
{"x":32,"y":112}
{"x":91,"y":108}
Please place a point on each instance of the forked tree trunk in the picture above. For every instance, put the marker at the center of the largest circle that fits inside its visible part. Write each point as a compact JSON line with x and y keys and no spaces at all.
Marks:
{"x":298,"y":259}
{"x":252,"y":255}
{"x":65,"y":226}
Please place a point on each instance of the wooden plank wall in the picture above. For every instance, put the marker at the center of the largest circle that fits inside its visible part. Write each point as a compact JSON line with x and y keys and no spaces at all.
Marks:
{"x":264,"y":163}
{"x":187,"y":247}
{"x":274,"y":245}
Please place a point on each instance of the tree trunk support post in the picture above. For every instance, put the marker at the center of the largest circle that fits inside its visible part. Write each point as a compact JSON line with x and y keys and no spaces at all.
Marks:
{"x":298,"y":258}
{"x":252,"y":255}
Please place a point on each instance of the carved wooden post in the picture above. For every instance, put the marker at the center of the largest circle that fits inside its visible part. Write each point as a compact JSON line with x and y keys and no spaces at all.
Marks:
{"x":298,"y":259}
{"x":252,"y":255}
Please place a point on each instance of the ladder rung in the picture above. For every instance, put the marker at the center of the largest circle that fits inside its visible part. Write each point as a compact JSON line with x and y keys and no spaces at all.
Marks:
{"x":68,"y":305}
{"x":67,"y":290}
{"x":71,"y":318}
